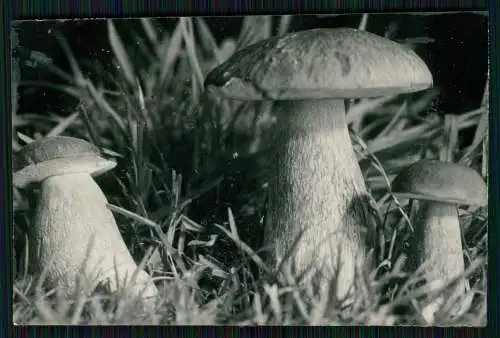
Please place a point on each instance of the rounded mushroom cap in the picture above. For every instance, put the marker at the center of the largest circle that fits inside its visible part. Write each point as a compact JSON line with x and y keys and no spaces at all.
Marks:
{"x":442,"y":182}
{"x":58,"y":155}
{"x":320,"y":63}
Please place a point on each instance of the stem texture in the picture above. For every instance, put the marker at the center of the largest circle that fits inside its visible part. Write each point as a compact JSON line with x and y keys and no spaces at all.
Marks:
{"x":318,"y":190}
{"x":74,"y":233}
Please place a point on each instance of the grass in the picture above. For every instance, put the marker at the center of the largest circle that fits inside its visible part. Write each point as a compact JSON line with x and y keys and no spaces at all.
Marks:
{"x":189,"y":189}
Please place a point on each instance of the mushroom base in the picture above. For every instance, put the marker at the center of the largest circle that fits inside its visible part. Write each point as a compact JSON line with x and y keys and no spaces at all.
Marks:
{"x":75,"y":239}
{"x":317,"y":191}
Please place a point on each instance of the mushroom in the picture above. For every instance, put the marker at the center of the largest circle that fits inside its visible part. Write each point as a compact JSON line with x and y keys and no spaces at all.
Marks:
{"x":439,"y":187}
{"x":317,"y":188}
{"x":73,"y":231}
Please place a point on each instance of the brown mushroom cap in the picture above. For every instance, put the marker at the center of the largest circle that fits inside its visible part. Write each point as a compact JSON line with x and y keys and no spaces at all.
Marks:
{"x":442,"y":182}
{"x":57,"y":156}
{"x":320,"y":63}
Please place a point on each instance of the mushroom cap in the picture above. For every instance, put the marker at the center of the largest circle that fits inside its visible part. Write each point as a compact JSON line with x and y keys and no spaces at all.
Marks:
{"x":320,"y":63}
{"x":441,"y":182}
{"x":58,"y":155}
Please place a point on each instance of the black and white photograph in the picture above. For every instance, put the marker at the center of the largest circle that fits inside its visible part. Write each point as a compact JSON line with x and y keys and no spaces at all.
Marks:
{"x":259,"y":170}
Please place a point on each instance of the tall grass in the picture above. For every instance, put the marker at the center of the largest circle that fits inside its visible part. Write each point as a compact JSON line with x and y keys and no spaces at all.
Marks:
{"x":191,"y":185}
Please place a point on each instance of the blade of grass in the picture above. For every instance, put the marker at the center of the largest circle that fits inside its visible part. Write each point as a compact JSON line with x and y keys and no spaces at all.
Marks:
{"x":189,"y":40}
{"x":364,"y":21}
{"x":104,"y":105}
{"x":25,"y":256}
{"x":61,"y":127}
{"x":378,"y":166}
{"x":79,"y":79}
{"x":245,"y":33}
{"x":195,"y":91}
{"x":150,"y":30}
{"x":26,"y":139}
{"x":245,"y":248}
{"x":391,"y":125}
{"x":450,"y":138}
{"x":254,"y":29}
{"x":207,"y":39}
{"x":142,"y":105}
{"x":486,"y":146}
{"x":259,"y":318}
{"x":142,"y":265}
{"x":370,"y":128}
{"x":142,"y":220}
{"x":187,"y":224}
{"x":119,"y":52}
{"x":485,"y":157}
{"x":209,"y":243}
{"x":87,"y":120}
{"x":356,"y":112}
{"x":171,"y":52}
{"x":481,"y":134}
{"x":161,"y":47}
{"x":284,"y":24}
{"x":112,"y":153}
{"x":287,"y":272}
{"x":68,"y":89}
{"x":216,"y":270}
{"x":232,"y":224}
{"x":408,"y":136}
{"x":424,"y":291}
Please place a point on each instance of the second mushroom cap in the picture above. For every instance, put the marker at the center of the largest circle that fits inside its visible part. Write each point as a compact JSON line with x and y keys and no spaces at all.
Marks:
{"x":441,"y":181}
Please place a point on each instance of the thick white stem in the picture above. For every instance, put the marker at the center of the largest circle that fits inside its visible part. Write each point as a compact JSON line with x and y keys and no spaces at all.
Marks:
{"x":438,"y":241}
{"x":72,"y":221}
{"x":318,"y":189}
{"x":438,"y":245}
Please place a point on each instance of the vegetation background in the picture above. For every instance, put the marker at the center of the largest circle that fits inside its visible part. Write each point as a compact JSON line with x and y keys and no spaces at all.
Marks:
{"x":195,"y":167}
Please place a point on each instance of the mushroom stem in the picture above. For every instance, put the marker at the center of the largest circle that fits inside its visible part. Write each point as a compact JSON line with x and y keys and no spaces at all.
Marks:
{"x":438,"y":241}
{"x":71,"y":215}
{"x":317,"y":189}
{"x":438,"y":245}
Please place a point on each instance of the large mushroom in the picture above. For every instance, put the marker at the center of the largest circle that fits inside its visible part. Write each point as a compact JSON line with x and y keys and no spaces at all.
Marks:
{"x":437,"y":242}
{"x":317,"y":188}
{"x":74,"y":234}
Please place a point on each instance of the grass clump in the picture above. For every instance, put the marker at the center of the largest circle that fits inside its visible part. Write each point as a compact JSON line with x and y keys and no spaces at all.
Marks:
{"x":189,"y":190}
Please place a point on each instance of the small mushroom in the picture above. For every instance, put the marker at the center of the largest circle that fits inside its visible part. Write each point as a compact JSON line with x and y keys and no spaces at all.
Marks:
{"x":73,"y":231}
{"x":317,"y":188}
{"x":439,"y":187}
